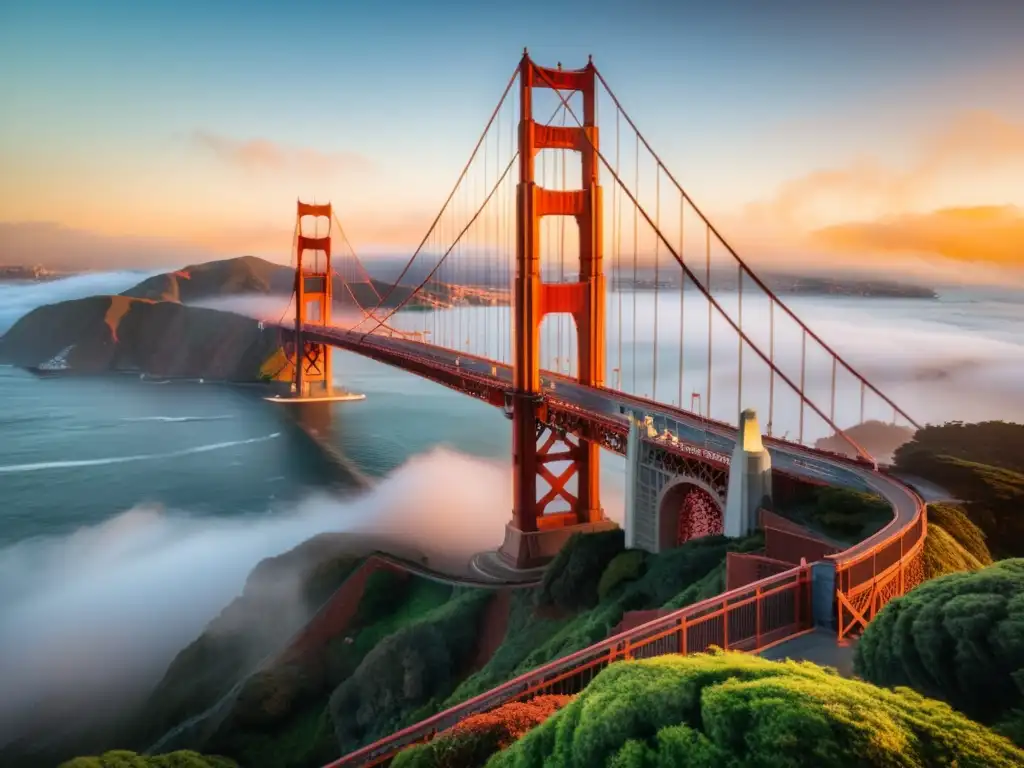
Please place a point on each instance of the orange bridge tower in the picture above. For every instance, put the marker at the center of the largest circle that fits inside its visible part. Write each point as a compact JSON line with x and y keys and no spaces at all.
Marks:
{"x":535,"y":535}
{"x":312,"y":302}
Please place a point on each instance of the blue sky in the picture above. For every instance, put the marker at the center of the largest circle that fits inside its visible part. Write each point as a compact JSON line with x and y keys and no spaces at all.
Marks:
{"x":107,"y":97}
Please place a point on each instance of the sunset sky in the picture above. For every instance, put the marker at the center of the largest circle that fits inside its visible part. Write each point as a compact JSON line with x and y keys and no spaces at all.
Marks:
{"x":181,"y":128}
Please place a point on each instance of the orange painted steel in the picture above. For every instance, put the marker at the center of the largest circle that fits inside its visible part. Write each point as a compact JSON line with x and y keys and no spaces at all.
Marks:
{"x":742,"y":619}
{"x":534,"y":299}
{"x":313,"y":289}
{"x":891,"y":568}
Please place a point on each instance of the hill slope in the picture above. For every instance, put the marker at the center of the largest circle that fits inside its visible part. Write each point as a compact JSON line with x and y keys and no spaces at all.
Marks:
{"x":249,"y":275}
{"x":116,"y":333}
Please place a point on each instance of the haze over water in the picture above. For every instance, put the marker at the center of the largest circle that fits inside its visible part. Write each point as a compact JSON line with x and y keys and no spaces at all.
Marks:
{"x":133,"y":511}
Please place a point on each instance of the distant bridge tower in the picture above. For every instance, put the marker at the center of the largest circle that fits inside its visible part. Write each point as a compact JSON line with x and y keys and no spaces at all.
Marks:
{"x":534,"y":536}
{"x":312,"y":303}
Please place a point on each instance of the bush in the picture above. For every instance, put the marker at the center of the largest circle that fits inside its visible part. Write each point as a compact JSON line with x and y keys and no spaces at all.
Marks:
{"x":415,"y":668}
{"x":383,"y":591}
{"x":954,"y":521}
{"x":470,"y":743}
{"x":123,"y":759}
{"x":570,"y":581}
{"x":732,"y":709}
{"x":959,"y":638}
{"x":625,"y":566}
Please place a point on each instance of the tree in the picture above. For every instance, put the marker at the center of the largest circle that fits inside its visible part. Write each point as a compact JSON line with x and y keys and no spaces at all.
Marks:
{"x":732,"y":709}
{"x":959,"y":638}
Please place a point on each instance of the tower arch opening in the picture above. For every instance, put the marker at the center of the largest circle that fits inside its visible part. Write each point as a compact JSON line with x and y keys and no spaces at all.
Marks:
{"x":687,"y":510}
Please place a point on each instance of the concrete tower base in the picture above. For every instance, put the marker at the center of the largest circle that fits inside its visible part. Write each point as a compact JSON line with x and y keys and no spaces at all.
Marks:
{"x":532,"y":549}
{"x":750,"y":478}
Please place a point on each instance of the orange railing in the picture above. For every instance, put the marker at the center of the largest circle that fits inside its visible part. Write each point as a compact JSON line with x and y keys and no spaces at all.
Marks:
{"x":742,"y":619}
{"x":866,"y":581}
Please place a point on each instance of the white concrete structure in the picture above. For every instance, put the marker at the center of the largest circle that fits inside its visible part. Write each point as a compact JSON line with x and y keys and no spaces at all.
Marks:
{"x":655,"y":477}
{"x":750,"y":478}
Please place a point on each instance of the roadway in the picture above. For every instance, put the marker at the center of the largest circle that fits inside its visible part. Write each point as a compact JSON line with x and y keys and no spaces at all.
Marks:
{"x":786,"y":457}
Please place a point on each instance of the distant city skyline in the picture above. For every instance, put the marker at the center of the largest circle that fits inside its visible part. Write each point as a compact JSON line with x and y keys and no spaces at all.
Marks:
{"x":890,"y":138}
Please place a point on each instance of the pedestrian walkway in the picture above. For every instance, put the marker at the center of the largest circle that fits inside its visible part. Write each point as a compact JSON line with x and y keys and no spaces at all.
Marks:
{"x":819,"y":646}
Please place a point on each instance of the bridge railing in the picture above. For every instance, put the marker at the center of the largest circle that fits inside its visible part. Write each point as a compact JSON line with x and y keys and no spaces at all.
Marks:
{"x":867,"y":581}
{"x":744,"y":619}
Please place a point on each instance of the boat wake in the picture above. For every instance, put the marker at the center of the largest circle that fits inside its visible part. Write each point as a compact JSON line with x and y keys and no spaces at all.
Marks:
{"x":177,"y":419}
{"x":45,"y":465}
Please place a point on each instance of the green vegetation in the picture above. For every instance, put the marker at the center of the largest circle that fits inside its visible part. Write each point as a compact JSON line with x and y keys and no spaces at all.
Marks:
{"x":282,"y":716}
{"x":470,"y":743}
{"x":122,"y":759}
{"x":625,"y":566}
{"x":995,"y":443}
{"x":673,"y":579}
{"x":841,"y":514}
{"x":954,"y":543}
{"x":959,"y":638}
{"x":981,"y":464}
{"x":730,"y":709}
{"x":571,"y":581}
{"x":412,"y":670}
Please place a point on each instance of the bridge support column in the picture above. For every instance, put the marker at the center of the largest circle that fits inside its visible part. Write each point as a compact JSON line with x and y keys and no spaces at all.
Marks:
{"x":313,"y":298}
{"x":535,"y":534}
{"x":750,"y":478}
{"x":632,"y":479}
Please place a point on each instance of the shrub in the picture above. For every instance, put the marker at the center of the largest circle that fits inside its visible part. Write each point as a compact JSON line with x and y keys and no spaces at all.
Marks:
{"x":731,"y":709}
{"x":944,"y":555}
{"x":470,"y":743}
{"x":570,"y":581}
{"x":625,"y":566}
{"x":959,"y":638}
{"x":414,"y":668}
{"x":954,"y":521}
{"x":383,"y":591}
{"x":123,"y":759}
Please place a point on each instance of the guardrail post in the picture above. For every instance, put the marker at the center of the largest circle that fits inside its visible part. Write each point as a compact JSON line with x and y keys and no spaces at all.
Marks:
{"x":757,"y":618}
{"x":823,"y":594}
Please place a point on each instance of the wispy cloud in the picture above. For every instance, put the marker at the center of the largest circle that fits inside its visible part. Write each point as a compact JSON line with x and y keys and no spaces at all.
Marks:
{"x":972,"y":145}
{"x":982,"y":233}
{"x":263,"y":155}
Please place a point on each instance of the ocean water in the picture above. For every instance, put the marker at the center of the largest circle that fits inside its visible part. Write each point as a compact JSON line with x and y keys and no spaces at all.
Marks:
{"x":131,"y":512}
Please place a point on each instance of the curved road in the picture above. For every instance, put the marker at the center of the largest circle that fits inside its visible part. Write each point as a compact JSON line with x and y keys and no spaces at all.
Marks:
{"x":787,"y":457}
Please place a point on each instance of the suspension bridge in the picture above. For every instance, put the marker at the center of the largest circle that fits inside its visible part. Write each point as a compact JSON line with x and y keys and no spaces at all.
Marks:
{"x":571,"y":281}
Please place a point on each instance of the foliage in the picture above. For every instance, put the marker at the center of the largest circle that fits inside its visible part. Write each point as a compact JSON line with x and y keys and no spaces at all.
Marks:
{"x":981,"y":464}
{"x":732,"y":709}
{"x":525,"y":632}
{"x":839,"y":513}
{"x":625,"y":566}
{"x":672,"y":579}
{"x":996,"y":443}
{"x":413,"y":669}
{"x":123,"y":759}
{"x":384,"y":590}
{"x":570,"y":581}
{"x":954,"y":521}
{"x":954,"y":543}
{"x":282,"y":719}
{"x":470,"y":743}
{"x":944,"y":555}
{"x":959,"y":638}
